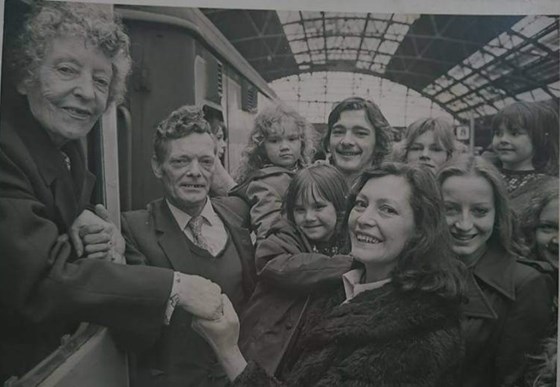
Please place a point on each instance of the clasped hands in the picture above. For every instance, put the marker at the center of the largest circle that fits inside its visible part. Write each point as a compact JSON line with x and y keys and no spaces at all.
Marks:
{"x":93,"y":235}
{"x":214,"y":317}
{"x":222,"y":334}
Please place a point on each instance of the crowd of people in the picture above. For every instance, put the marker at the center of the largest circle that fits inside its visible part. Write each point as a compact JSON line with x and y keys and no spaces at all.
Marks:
{"x":410,"y":263}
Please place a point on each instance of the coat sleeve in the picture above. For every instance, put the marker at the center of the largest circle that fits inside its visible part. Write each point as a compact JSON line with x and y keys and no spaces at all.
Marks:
{"x":281,"y":261}
{"x":132,"y":253}
{"x":41,"y":279}
{"x":525,"y":325}
{"x":266,"y":196}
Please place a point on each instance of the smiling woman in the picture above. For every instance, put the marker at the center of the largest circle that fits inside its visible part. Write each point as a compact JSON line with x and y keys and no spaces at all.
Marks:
{"x":70,"y":90}
{"x":394,"y":317}
{"x":510,"y":302}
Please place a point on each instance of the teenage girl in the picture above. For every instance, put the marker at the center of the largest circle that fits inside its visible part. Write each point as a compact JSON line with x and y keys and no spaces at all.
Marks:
{"x":526,"y":144}
{"x":429,"y":142}
{"x":509,"y":301}
{"x":279,"y":145}
{"x":302,"y":253}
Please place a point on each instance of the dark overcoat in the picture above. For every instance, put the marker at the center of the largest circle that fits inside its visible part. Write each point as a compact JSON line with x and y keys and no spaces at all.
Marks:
{"x":507,"y":314}
{"x":44,"y":288}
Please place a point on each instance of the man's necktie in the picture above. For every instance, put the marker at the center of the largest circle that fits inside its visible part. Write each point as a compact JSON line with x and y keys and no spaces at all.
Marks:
{"x":195,"y":224}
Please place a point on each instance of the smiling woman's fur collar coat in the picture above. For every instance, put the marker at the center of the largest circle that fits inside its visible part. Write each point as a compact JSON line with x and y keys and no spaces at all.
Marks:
{"x":383,"y":337}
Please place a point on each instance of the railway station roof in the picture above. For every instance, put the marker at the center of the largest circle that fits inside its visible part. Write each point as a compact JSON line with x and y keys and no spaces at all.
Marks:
{"x":465,"y":65}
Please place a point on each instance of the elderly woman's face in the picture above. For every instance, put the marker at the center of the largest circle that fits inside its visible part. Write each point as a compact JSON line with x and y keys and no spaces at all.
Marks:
{"x":70,"y":89}
{"x":381,"y":222}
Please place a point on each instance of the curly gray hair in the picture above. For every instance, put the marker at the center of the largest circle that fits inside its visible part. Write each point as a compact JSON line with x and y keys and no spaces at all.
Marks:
{"x":93,"y":22}
{"x":180,"y":123}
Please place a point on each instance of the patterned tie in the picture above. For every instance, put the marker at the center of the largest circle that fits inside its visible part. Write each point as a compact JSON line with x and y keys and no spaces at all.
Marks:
{"x":195,"y":224}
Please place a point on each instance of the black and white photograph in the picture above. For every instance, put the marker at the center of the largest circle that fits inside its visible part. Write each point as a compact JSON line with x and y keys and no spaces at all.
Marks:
{"x":265,"y":193}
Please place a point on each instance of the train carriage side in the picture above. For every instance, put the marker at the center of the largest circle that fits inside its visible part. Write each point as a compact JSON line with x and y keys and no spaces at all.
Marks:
{"x":179,"y":58}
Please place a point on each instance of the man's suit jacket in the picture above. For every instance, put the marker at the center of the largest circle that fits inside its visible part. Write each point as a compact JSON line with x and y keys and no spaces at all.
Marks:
{"x":44,"y":287}
{"x":181,"y":357}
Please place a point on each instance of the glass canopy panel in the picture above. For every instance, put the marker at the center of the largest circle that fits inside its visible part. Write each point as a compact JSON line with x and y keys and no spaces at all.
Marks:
{"x":352,"y":38}
{"x":294,"y":31}
{"x":313,"y":95}
{"x":376,"y":28}
{"x":511,"y":66}
{"x":555,"y":88}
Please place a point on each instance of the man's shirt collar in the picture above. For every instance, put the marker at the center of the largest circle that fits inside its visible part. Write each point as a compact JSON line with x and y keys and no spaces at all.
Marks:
{"x":182,"y":218}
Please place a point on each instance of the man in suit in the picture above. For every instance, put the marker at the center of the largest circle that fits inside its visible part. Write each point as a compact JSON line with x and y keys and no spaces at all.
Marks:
{"x":188,"y":232}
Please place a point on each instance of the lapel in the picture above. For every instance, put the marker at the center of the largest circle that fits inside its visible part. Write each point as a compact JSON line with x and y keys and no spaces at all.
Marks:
{"x":83,"y":179}
{"x":495,"y":270}
{"x":242,"y":241}
{"x":50,"y":165}
{"x":170,"y":237}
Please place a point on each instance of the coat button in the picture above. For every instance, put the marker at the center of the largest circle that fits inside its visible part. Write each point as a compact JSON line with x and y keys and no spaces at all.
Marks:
{"x":289,"y":325}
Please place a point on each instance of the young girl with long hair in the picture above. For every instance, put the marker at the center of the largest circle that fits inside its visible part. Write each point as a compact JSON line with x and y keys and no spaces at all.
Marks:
{"x":280,"y":144}
{"x":526,"y":144}
{"x":509,"y":301}
{"x":302,"y":253}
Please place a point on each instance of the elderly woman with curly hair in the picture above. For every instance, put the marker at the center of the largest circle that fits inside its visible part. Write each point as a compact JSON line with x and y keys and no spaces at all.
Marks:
{"x":394,"y":320}
{"x":71,"y":65}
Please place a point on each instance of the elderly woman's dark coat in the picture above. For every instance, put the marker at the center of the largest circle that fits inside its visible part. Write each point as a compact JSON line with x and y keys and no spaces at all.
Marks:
{"x":45,"y":290}
{"x":507,"y":314}
{"x":382,"y":337}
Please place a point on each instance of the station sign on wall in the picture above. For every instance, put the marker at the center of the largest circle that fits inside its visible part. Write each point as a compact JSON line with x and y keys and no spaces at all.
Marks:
{"x":462,"y":132}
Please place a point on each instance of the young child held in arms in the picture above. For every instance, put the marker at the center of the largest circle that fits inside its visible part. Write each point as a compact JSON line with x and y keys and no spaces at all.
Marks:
{"x":303,"y":253}
{"x":280,"y":144}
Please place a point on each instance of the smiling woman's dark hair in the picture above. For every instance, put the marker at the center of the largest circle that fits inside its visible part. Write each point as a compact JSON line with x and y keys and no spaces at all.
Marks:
{"x":426,"y":262}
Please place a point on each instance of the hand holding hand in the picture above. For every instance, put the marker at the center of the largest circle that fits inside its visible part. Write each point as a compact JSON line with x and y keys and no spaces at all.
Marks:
{"x":199,"y":296}
{"x":95,"y":235}
{"x":222,"y":333}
